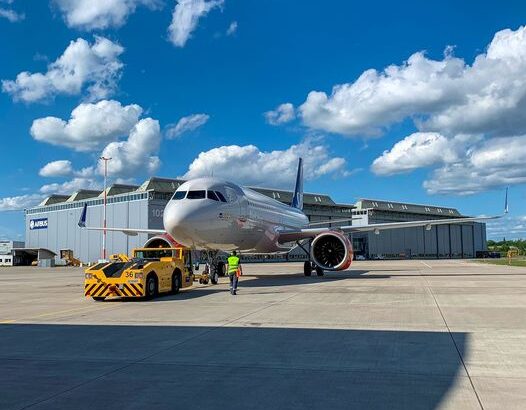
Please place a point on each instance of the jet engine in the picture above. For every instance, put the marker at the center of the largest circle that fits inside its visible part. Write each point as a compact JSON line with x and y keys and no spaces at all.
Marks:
{"x":161,"y":241}
{"x":331,"y":251}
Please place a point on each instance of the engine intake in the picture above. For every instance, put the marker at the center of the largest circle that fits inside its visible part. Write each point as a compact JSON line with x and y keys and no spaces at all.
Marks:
{"x":331,"y":251}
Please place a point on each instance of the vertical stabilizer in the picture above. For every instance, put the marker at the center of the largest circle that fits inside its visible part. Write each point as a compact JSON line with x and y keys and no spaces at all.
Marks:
{"x":297,"y":199}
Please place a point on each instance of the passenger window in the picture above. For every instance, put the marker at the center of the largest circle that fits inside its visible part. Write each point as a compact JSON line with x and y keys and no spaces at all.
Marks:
{"x":179,"y":195}
{"x":196,"y":195}
{"x":220,"y":196}
{"x":212,"y":195}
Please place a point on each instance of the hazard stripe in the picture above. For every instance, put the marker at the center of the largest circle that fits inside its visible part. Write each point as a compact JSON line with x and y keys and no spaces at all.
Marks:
{"x":87,"y":292}
{"x":136,"y":287}
{"x":98,"y":292}
{"x":127,"y":291}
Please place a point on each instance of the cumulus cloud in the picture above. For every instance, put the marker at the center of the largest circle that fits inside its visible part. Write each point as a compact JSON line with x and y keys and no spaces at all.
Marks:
{"x":56,"y":169}
{"x":100,"y":14}
{"x":95,"y":67}
{"x":232,"y":28}
{"x":90,"y":127}
{"x":492,"y":164}
{"x":19,"y":203}
{"x":282,"y":114}
{"x":510,"y":227}
{"x":186,"y":16}
{"x":186,"y":124}
{"x":137,"y":154}
{"x":74,"y":185}
{"x":11,"y":15}
{"x":447,"y":96}
{"x":251,"y":166}
{"x":421,"y":149}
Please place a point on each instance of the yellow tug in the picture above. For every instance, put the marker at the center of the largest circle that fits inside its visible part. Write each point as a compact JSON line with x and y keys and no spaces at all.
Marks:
{"x":149,"y":272}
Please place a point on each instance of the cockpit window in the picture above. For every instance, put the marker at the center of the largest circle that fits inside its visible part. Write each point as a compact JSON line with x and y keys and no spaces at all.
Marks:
{"x":212,"y":195}
{"x":196,"y":195}
{"x":179,"y":195}
{"x":220,"y":196}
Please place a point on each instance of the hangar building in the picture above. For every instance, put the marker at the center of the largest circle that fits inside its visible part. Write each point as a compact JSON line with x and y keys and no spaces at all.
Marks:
{"x":53,"y":224}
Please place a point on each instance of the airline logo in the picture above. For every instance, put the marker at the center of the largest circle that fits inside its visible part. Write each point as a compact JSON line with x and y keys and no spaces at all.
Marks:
{"x":40,"y":223}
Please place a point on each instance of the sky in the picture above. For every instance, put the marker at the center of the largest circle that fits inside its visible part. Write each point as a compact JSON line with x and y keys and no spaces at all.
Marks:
{"x":404,"y":101}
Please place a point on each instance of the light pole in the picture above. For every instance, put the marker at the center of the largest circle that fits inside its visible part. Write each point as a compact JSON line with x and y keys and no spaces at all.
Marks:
{"x":105,"y":159}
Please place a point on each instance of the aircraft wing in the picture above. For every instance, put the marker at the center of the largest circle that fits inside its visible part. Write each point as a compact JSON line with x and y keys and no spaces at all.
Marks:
{"x":127,"y":231}
{"x":291,"y":235}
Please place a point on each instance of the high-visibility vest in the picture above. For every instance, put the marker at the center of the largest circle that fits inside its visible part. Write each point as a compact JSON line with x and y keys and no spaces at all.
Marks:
{"x":233,"y":264}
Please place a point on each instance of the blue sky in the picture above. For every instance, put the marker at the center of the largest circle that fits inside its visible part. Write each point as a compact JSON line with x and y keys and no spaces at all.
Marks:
{"x":193,"y":88}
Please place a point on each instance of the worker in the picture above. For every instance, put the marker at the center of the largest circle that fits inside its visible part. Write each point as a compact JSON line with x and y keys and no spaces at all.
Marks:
{"x":234,"y":271}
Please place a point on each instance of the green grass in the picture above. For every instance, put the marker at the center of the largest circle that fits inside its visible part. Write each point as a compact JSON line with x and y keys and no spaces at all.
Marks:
{"x":520,"y":261}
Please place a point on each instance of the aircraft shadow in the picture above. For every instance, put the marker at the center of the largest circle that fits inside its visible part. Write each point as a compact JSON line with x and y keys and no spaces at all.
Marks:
{"x":167,"y":367}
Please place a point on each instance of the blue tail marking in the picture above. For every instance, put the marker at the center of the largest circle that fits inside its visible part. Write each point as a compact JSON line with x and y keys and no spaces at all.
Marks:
{"x":82,"y":220}
{"x":297,"y":199}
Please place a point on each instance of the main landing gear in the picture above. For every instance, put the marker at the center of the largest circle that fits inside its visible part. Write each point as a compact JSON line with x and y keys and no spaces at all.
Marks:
{"x":214,"y":265}
{"x":309,"y":266}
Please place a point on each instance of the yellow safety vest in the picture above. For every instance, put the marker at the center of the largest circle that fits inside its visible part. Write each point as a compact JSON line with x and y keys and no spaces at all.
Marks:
{"x":233,"y":264}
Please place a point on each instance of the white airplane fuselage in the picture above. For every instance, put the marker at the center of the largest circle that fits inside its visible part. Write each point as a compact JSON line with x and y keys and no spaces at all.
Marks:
{"x":238,"y":219}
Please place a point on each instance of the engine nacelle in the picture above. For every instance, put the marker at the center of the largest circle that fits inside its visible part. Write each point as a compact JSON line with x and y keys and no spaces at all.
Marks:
{"x":332,"y":251}
{"x":162,"y":241}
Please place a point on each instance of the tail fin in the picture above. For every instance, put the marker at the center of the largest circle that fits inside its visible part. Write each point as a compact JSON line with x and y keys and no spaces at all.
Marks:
{"x":297,"y":199}
{"x":82,"y":220}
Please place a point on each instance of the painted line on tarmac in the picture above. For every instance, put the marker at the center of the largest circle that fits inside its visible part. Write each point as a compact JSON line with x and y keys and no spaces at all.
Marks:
{"x":58,"y":312}
{"x":426,"y":264}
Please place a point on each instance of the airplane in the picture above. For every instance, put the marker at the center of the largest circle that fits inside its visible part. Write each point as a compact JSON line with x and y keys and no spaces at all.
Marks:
{"x":212,"y":215}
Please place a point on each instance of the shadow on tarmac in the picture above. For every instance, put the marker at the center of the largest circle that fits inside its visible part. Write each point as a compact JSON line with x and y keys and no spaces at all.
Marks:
{"x":171,"y":367}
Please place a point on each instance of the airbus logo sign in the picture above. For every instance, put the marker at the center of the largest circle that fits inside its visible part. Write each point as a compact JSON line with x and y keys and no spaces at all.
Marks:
{"x":40,"y":223}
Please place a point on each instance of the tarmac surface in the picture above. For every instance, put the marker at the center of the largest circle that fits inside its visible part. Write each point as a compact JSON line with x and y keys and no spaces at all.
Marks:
{"x":445,"y":334}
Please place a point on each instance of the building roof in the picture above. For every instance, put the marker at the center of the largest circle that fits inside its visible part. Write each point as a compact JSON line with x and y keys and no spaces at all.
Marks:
{"x":391,"y":206}
{"x":54,"y":199}
{"x":83,"y":194}
{"x":161,"y":184}
{"x":117,"y":189}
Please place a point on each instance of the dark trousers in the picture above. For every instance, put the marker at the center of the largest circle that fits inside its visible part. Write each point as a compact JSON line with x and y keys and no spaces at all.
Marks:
{"x":233,"y":281}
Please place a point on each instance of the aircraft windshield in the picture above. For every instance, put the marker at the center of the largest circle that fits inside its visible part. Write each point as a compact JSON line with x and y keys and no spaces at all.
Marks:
{"x":212,"y":195}
{"x":220,"y":196}
{"x":179,"y":195}
{"x":196,"y":195}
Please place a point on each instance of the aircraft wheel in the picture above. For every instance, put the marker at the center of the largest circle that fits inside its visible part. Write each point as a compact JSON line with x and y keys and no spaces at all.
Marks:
{"x":319,"y":271}
{"x":220,"y":268}
{"x":214,"y":278}
{"x":307,"y":268}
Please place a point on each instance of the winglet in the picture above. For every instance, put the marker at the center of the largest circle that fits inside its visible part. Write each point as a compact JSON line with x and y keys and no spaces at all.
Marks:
{"x":506,"y":202}
{"x":297,"y":199}
{"x":82,"y":220}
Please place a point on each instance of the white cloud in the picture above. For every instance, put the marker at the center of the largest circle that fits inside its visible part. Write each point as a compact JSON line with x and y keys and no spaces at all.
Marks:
{"x":136,"y":155}
{"x":186,"y":16}
{"x":56,"y":169}
{"x":251,"y":166}
{"x":282,"y":114}
{"x":186,"y":124}
{"x":99,"y":14}
{"x":447,"y":96}
{"x":509,"y":227}
{"x":68,"y":187}
{"x":492,"y":164}
{"x":90,"y":127}
{"x":232,"y":28}
{"x":82,"y":64}
{"x":18,"y":203}
{"x":11,"y":15}
{"x":421,"y":149}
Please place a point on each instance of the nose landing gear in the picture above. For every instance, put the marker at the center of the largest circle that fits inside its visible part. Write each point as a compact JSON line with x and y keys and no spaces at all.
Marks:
{"x":309,"y":266}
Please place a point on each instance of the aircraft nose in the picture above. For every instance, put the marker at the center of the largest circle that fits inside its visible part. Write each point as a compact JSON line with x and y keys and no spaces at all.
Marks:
{"x":181,"y":220}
